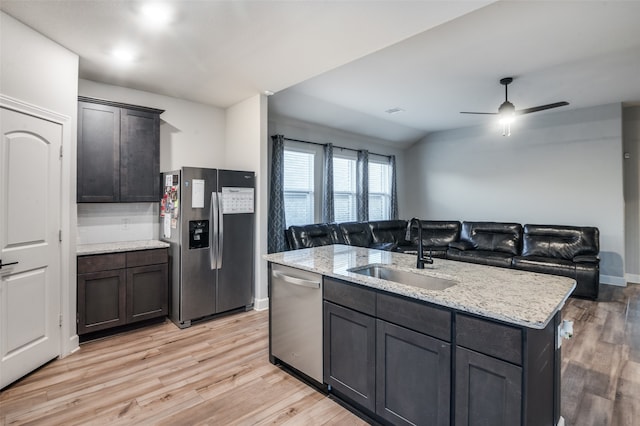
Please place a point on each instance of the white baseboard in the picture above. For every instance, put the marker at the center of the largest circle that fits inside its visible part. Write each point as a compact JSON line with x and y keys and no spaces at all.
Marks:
{"x":610,"y":279}
{"x":633,"y":278}
{"x":261,"y":304}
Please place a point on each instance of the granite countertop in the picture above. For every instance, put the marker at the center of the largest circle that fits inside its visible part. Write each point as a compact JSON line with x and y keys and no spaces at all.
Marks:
{"x":119,"y":246}
{"x":518,"y":297}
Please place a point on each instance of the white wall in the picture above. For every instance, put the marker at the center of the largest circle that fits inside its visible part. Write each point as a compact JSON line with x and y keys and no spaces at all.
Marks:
{"x":43,"y":74}
{"x":305,"y":131}
{"x":191,"y":134}
{"x":246,"y":149}
{"x":561,"y":167}
{"x":631,"y":143}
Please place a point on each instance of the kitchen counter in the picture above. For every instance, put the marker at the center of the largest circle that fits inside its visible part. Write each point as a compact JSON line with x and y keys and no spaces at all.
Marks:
{"x":119,"y":246}
{"x":518,"y":297}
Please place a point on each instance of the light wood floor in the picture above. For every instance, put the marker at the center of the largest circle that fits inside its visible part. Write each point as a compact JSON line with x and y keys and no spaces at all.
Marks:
{"x":217,"y":373}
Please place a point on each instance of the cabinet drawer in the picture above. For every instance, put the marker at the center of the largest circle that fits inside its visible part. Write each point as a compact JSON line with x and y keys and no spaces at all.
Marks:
{"x":490,"y":338}
{"x":146,"y":257}
{"x":350,"y":295}
{"x":415,"y":316}
{"x":101,"y":262}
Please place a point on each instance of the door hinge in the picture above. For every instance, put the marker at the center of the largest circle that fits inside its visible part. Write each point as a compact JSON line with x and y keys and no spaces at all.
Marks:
{"x":60,"y":235}
{"x":60,"y":151}
{"x":60,"y":320}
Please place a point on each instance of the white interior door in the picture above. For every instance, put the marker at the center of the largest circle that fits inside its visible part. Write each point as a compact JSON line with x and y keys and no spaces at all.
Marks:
{"x":30,"y":168}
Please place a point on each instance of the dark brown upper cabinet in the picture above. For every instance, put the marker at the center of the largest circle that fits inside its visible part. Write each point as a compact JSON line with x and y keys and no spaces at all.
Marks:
{"x":118,"y":152}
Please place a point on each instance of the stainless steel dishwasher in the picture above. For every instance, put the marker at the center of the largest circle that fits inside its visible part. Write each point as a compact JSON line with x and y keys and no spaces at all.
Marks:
{"x":296,"y":319}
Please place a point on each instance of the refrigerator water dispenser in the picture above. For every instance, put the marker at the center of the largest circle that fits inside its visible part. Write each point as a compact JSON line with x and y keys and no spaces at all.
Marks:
{"x":198,"y":234}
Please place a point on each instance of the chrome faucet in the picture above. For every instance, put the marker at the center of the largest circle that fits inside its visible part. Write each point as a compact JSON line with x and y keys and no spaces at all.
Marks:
{"x":421,"y":259}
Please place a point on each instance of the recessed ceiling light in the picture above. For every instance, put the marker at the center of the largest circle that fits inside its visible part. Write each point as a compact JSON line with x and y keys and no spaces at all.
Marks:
{"x":123,"y":55}
{"x":156,"y":13}
{"x":395,"y":110}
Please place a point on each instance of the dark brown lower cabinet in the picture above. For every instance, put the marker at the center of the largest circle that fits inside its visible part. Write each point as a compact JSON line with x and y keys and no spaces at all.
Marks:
{"x":413,"y":377}
{"x":349,"y":354}
{"x":488,"y":390}
{"x":101,"y":300}
{"x":147,"y":292}
{"x":121,"y":288}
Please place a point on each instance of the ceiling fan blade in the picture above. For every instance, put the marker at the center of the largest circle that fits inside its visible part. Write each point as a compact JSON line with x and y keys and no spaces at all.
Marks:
{"x":483,"y":113}
{"x":541,"y":108}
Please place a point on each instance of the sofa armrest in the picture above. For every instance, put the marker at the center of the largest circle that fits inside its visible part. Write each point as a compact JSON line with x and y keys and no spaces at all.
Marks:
{"x":462,"y":245}
{"x":590,"y":258}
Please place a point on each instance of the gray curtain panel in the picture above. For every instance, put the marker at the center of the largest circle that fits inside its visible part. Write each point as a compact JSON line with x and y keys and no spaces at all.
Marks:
{"x":394,"y":189}
{"x":277,"y":221}
{"x":328,"y":211}
{"x":362,"y":186}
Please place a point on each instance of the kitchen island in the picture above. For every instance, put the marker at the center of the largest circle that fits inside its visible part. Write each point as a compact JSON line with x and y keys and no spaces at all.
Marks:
{"x":481,"y":351}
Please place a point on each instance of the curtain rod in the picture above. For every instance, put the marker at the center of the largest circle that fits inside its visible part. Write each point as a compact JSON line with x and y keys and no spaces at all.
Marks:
{"x":337,"y":147}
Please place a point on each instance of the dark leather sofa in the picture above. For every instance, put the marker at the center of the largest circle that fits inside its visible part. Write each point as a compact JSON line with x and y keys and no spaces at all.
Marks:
{"x":569,"y":251}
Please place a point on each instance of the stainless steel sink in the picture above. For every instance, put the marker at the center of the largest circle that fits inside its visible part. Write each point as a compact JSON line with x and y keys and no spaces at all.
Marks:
{"x":404,"y":277}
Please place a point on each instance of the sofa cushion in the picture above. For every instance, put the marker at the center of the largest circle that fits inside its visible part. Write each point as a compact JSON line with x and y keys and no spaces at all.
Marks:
{"x":320,"y":234}
{"x":483,"y":257}
{"x":493,"y":236}
{"x":389,"y":231}
{"x":436,"y":234}
{"x":563,"y":242}
{"x":545,"y":265}
{"x":356,"y":234}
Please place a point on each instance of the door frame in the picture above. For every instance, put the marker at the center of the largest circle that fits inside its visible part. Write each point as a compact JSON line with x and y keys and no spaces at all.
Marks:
{"x":68,"y":216}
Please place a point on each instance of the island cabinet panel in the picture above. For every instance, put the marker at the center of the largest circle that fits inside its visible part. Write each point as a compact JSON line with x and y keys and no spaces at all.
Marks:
{"x":413,"y":382}
{"x":415,"y":316}
{"x":349,"y":354}
{"x":350,"y":295}
{"x":488,"y":391}
{"x":490,"y":338}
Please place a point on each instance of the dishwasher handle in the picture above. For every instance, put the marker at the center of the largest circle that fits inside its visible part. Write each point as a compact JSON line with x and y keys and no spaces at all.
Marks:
{"x":296,"y":281}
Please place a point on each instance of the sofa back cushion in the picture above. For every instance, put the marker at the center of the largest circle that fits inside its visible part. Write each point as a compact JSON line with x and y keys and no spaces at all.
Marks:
{"x":389,"y":231}
{"x":563,"y":242}
{"x":320,"y":234}
{"x":437,"y":233}
{"x":493,"y":236}
{"x":356,"y":234}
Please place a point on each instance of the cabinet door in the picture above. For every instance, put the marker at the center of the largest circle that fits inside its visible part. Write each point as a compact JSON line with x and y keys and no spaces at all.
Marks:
{"x":413,"y":385}
{"x":349,"y":354}
{"x":488,"y":390}
{"x":98,"y":153}
{"x":139,"y":156}
{"x":147,"y":292}
{"x":101,"y":300}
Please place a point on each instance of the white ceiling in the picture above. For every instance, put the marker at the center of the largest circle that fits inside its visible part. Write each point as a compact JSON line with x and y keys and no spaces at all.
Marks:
{"x":343,"y":63}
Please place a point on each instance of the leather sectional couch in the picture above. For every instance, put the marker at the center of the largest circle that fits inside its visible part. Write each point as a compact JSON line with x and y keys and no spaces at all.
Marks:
{"x":569,"y":251}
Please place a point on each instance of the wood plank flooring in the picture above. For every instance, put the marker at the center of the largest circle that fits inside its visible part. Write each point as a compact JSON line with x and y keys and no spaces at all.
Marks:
{"x":218,"y":373}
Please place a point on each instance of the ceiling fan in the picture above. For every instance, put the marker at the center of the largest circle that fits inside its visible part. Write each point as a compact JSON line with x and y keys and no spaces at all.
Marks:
{"x":507,"y":111}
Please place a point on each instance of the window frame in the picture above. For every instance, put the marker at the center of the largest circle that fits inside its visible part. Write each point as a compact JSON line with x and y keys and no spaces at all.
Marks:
{"x":350,"y":156}
{"x":385,"y":161}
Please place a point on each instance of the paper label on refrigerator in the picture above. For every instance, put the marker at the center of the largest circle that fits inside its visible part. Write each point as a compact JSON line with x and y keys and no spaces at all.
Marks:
{"x":197,"y":193}
{"x":237,"y":200}
{"x":166,"y":226}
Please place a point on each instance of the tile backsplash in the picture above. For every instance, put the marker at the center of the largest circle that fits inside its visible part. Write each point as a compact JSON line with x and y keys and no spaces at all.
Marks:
{"x":111,"y":222}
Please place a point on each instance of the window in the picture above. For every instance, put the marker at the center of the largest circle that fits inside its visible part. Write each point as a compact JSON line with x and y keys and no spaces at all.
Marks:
{"x":298,"y":187}
{"x":379,"y":188}
{"x":344,"y":188}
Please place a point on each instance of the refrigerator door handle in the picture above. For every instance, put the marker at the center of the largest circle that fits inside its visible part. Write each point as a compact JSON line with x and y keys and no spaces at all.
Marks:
{"x":213,"y":234}
{"x":220,"y":230}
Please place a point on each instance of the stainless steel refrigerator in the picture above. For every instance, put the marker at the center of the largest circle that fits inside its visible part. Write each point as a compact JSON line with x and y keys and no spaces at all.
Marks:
{"x":207,"y":216}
